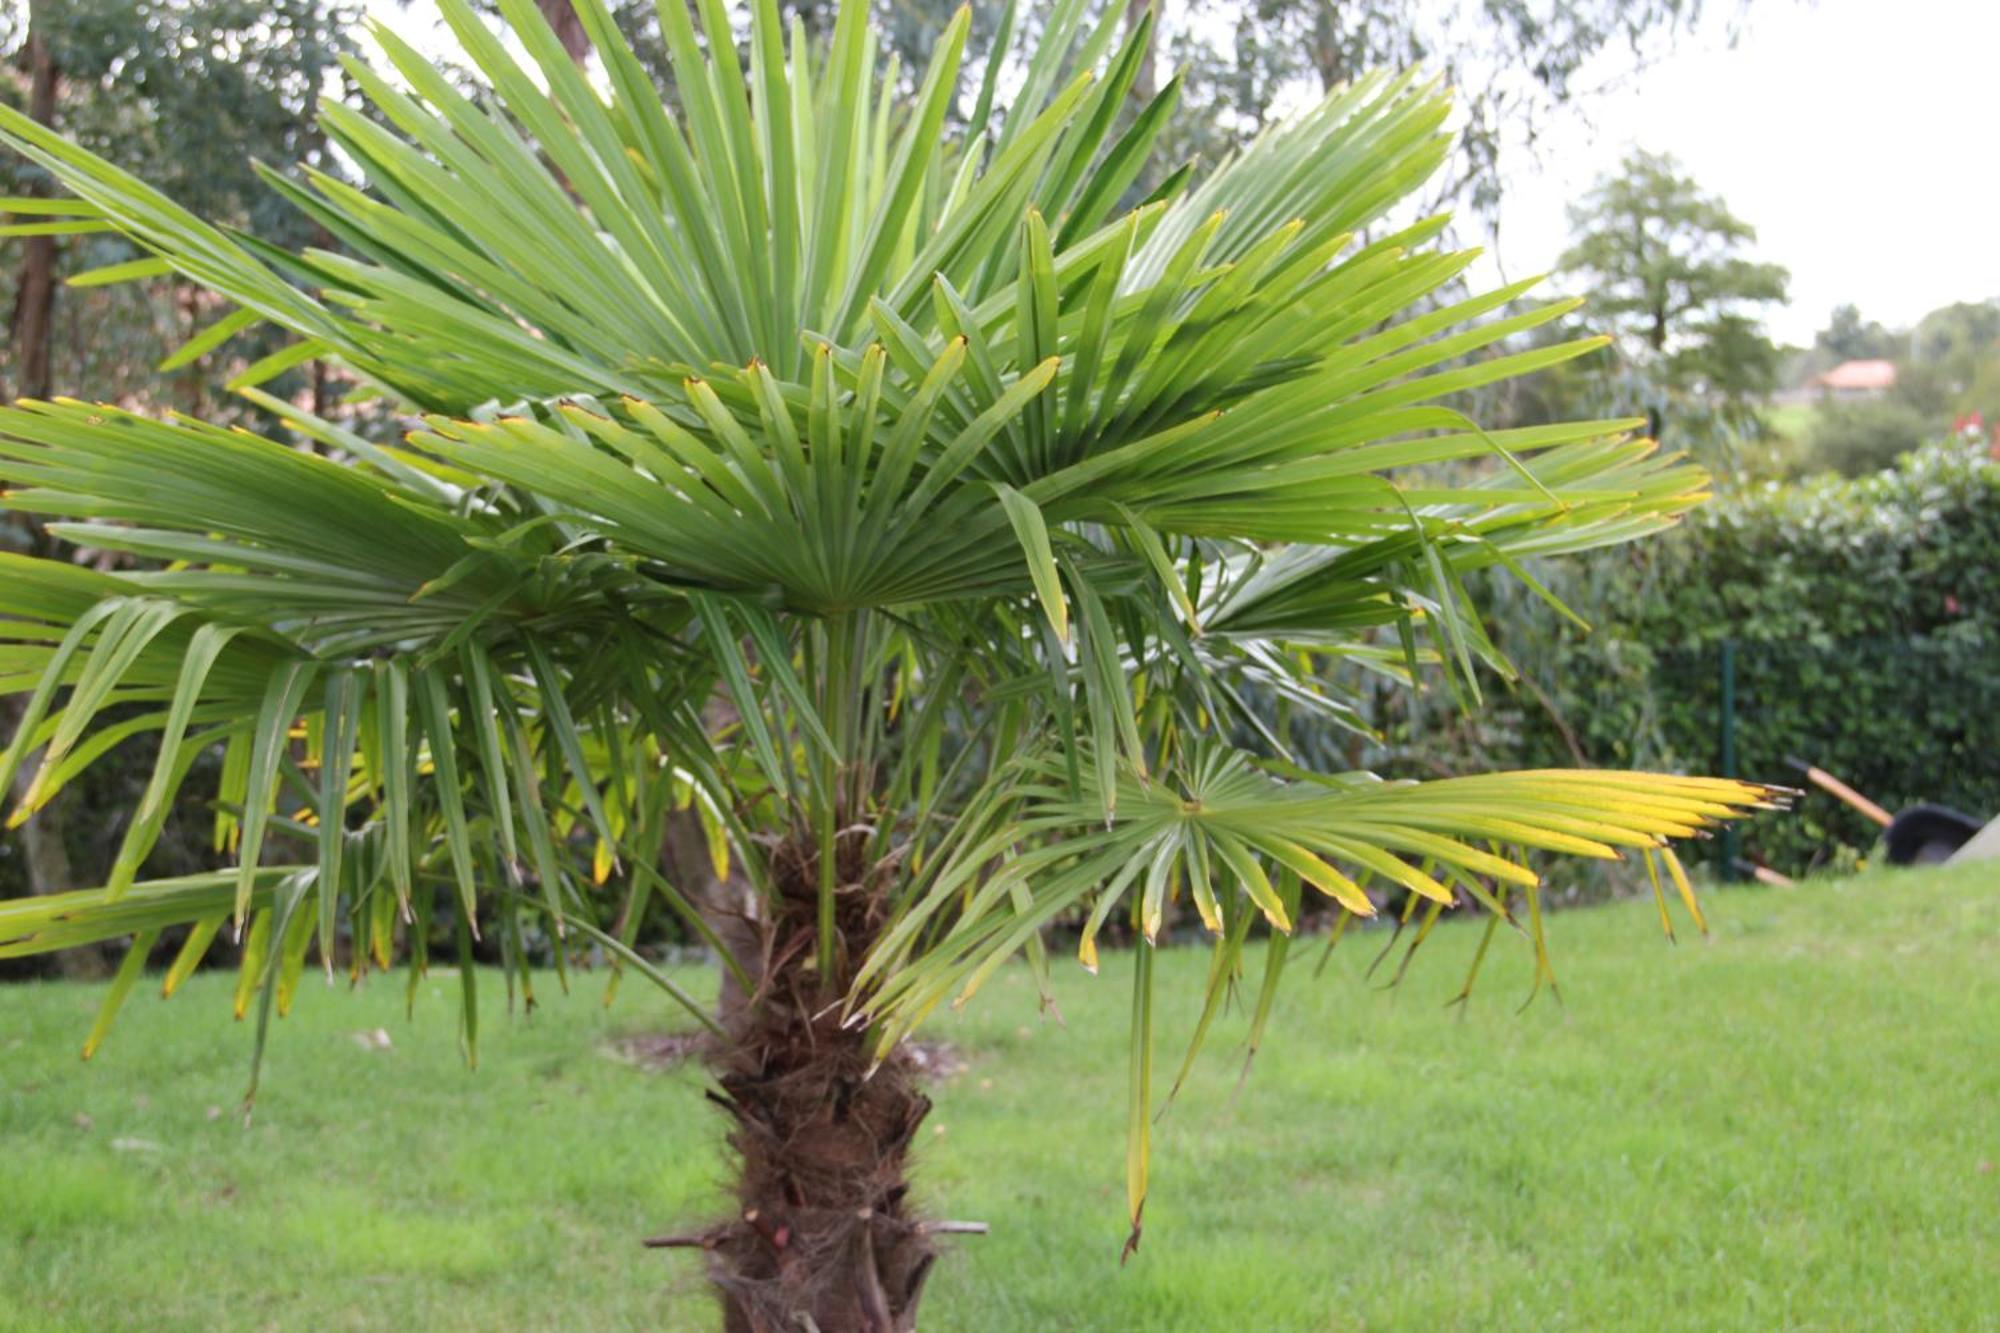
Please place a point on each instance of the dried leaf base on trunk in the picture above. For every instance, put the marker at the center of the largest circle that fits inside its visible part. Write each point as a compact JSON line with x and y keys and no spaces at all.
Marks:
{"x":825,"y":1229}
{"x":824,"y":1236}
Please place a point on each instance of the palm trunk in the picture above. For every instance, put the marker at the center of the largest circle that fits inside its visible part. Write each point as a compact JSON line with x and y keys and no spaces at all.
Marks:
{"x":823,"y":1229}
{"x":824,"y":1235}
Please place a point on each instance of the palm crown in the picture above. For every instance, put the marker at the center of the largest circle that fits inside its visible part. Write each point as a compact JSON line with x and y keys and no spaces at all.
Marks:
{"x":857,"y":465}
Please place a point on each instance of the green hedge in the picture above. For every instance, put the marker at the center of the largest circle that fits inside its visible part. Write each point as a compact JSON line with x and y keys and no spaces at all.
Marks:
{"x":1866,"y":615}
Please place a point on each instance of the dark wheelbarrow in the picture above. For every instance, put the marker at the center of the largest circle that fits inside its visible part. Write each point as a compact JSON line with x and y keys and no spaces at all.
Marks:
{"x":1922,"y":835}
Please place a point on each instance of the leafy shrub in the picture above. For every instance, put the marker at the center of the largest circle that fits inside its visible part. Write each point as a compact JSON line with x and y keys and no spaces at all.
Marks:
{"x":1867,"y":624}
{"x":1853,"y":439}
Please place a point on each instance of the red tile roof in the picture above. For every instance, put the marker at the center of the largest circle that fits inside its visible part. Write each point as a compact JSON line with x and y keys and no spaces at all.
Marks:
{"x":1859,"y":375}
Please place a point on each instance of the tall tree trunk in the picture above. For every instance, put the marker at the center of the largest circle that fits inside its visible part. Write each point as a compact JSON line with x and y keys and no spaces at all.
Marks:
{"x":1656,"y":338}
{"x":194,"y":380}
{"x":43,"y":851}
{"x":562,"y":16}
{"x":35,"y":298}
{"x":824,"y":1235}
{"x":1146,"y":83}
{"x":42,"y":844}
{"x":1328,"y":52}
{"x":724,"y":904}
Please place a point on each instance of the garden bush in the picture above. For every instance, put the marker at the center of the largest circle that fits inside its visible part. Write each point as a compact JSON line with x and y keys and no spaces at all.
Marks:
{"x":1853,"y":439}
{"x":1867,"y":629}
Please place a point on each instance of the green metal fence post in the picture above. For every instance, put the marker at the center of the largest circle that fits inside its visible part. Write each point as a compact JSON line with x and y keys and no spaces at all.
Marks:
{"x":1728,"y":746}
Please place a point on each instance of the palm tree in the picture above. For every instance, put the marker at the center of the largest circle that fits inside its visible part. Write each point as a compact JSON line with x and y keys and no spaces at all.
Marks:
{"x":855,"y":470}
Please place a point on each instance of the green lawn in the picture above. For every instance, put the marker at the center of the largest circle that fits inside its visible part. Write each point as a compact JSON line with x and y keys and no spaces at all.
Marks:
{"x":1790,"y":422}
{"x":1793,"y":1125}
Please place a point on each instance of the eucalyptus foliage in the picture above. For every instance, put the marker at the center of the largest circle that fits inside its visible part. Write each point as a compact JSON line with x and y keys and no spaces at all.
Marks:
{"x":840,"y":478}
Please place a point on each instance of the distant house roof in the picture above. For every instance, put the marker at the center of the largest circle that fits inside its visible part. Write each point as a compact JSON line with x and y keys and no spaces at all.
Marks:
{"x":1853,"y":375}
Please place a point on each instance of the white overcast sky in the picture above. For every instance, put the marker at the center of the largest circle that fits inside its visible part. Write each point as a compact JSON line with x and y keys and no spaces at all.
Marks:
{"x":1857,"y":136}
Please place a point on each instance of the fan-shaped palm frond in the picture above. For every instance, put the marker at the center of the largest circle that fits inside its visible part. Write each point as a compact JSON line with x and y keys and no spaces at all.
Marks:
{"x":877,"y":480}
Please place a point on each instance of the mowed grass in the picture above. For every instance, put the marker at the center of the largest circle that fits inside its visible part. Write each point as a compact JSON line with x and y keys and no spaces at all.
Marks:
{"x":1794,"y":1124}
{"x":1791,"y":421}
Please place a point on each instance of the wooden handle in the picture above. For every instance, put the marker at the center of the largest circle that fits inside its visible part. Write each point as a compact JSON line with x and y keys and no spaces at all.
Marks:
{"x":1828,"y":782}
{"x":1763,"y":874}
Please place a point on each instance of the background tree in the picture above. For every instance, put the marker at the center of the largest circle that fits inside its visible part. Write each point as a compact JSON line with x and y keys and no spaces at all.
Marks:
{"x":191,"y":94}
{"x":1962,"y":334}
{"x":1947,"y":381}
{"x":1663,"y":262}
{"x":1949,"y":352}
{"x":980,"y":496}
{"x":1849,"y":337}
{"x":1514,"y":65}
{"x":1854,"y":439}
{"x":33,"y":306}
{"x":44,"y":859}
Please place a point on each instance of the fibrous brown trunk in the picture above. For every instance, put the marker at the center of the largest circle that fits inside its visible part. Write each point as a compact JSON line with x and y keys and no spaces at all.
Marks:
{"x":824,"y":1234}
